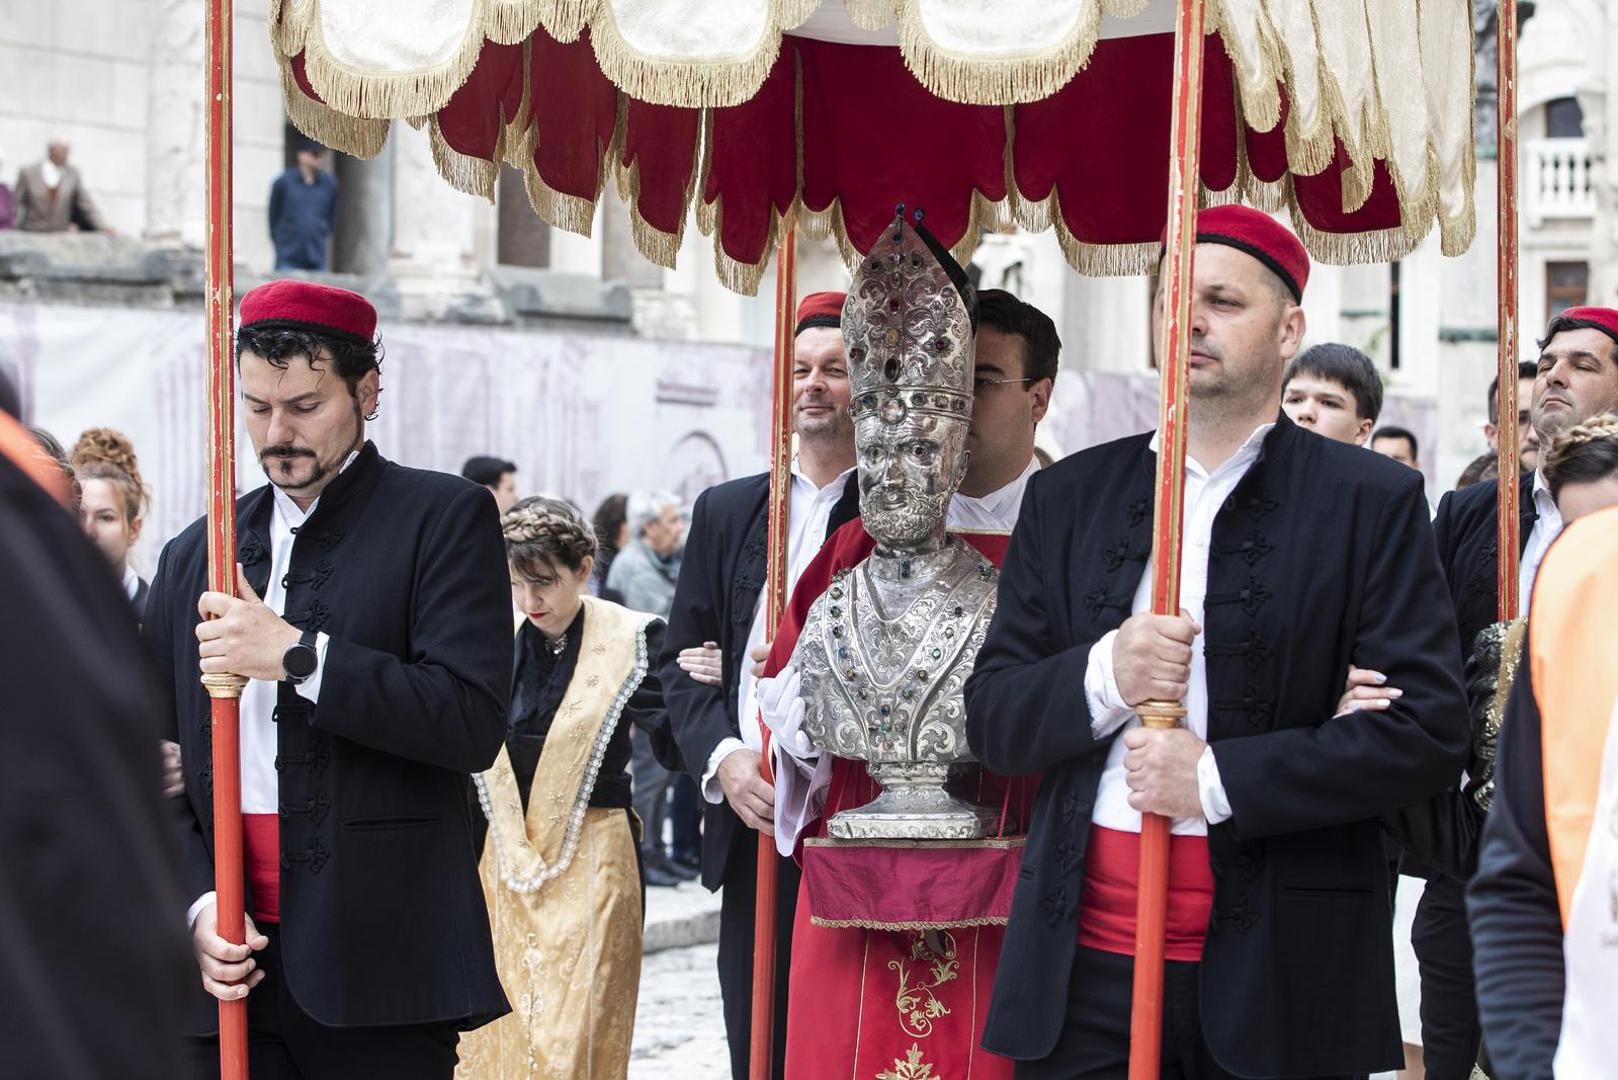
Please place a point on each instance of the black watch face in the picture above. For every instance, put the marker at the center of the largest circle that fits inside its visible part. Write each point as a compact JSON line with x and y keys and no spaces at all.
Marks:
{"x":299,"y":662}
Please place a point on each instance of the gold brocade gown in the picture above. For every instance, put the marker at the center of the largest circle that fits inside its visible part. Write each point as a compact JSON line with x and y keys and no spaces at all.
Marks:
{"x":562,"y":883}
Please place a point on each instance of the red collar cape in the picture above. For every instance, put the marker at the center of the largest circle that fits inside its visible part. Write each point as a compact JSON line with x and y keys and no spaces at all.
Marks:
{"x":1594,"y":318}
{"x":820,"y":309}
{"x":308,"y":305}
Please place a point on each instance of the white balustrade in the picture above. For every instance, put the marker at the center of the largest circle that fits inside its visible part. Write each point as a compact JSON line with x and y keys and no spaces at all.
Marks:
{"x":1556,"y":180}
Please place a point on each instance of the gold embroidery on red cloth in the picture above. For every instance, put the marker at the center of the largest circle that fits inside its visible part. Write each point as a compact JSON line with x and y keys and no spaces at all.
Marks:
{"x":933,"y":956}
{"x":910,"y":1069}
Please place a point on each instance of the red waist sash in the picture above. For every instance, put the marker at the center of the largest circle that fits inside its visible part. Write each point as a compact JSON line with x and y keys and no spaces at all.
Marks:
{"x":1111,"y":874}
{"x":261,"y":852}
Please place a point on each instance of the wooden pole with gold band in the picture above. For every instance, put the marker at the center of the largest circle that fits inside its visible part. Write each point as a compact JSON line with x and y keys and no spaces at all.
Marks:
{"x":762,"y":1033}
{"x":1151,"y":900}
{"x":1506,"y":403}
{"x":224,"y":690}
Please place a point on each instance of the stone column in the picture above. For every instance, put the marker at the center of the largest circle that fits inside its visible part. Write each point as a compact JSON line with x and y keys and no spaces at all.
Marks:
{"x":363,"y":237}
{"x":523,"y":237}
{"x":176,"y":139}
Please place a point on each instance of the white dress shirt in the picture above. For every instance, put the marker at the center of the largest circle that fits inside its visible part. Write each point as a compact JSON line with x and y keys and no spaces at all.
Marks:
{"x":1547,"y":527}
{"x":994,"y":512}
{"x":131,"y":581}
{"x":808,"y":514}
{"x":1205,"y":493}
{"x":261,"y":791}
{"x":51,"y":173}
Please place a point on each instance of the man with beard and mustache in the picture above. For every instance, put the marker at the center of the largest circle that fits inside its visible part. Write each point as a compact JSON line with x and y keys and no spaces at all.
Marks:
{"x":1300,"y":556}
{"x":716,"y":634}
{"x":380,"y":665}
{"x":1576,"y":378}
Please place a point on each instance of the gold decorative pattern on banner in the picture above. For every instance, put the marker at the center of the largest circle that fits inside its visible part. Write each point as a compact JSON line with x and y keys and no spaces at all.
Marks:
{"x":912,"y":1068}
{"x":933,"y":960}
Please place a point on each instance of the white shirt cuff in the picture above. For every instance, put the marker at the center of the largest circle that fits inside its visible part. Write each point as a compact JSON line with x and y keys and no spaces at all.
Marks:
{"x":1108,"y":712}
{"x":1210,"y":789}
{"x":712,"y":791}
{"x":309,"y":689}
{"x":196,"y":908}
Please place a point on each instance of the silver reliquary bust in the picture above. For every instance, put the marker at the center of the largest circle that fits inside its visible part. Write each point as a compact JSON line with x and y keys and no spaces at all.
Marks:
{"x":886,"y":650}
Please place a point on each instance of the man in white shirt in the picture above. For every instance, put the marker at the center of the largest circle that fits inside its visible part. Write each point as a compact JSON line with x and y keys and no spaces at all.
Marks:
{"x":1299,"y":556}
{"x":1576,"y":378}
{"x":379,"y":668}
{"x":719,"y":617}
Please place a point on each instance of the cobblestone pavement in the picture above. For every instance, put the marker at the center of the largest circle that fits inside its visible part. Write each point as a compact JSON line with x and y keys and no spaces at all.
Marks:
{"x":680,"y":1025}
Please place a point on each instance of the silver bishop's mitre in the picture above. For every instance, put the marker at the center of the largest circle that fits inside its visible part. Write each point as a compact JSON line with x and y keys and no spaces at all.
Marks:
{"x":885,"y":652}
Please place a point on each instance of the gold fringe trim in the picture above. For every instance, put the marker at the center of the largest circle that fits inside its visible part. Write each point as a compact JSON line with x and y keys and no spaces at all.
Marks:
{"x":350,"y":134}
{"x":868,"y":924}
{"x":706,"y":83}
{"x":1007,"y":79}
{"x":473,"y":175}
{"x":872,"y":15}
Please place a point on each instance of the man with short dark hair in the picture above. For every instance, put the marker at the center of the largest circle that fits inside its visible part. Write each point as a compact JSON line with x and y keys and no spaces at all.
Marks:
{"x":379,"y":668}
{"x":1527,"y":437}
{"x":1280,"y":931}
{"x":720,"y":608}
{"x":1017,"y":352}
{"x":1575,"y":378}
{"x":303,"y":210}
{"x":496,"y":474}
{"x":1397,"y":443}
{"x":1333,"y":389}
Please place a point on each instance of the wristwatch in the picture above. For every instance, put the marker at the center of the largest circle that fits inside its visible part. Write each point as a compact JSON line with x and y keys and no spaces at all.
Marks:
{"x":298,"y":662}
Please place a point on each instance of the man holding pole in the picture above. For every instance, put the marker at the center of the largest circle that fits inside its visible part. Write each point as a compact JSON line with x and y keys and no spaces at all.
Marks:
{"x":379,"y":658}
{"x":1301,"y":556}
{"x":718,"y":630}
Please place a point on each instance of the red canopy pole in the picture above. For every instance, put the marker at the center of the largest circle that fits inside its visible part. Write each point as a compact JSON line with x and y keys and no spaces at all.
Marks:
{"x":224,"y":690}
{"x":761,"y":1049}
{"x":1506,"y":404}
{"x":1151,"y":902}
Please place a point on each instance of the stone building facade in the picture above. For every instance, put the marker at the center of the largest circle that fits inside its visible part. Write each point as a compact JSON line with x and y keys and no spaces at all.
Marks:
{"x":123,"y":80}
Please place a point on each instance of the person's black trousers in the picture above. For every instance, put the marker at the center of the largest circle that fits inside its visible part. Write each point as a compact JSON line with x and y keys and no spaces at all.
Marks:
{"x":685,"y":819}
{"x":1450,"y":1029}
{"x":651,"y":785}
{"x":285,"y":1043}
{"x":1094,"y":1044}
{"x":739,"y":898}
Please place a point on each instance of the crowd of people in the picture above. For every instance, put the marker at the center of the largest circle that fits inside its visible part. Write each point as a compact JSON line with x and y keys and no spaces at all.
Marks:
{"x":477,"y":726}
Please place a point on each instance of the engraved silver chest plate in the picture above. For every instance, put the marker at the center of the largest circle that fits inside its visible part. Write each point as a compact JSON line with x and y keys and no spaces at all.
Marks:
{"x":883,"y":668}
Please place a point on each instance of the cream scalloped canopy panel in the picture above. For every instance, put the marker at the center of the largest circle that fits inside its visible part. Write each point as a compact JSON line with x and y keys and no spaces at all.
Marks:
{"x":1388,"y":80}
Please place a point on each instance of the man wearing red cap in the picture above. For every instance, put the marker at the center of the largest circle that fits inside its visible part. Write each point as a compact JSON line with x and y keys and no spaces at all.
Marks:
{"x":719,"y":604}
{"x":1577,"y":379}
{"x":1300,"y":556}
{"x":380,"y":664}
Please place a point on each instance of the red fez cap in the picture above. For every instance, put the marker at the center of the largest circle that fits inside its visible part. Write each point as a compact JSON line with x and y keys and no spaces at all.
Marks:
{"x":1604,"y":319}
{"x":307,"y":305}
{"x":1259,"y":235}
{"x":820,"y":309}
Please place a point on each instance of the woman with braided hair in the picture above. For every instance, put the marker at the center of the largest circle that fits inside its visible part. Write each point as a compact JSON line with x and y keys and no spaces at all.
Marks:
{"x":559,"y":863}
{"x":114,"y":501}
{"x":1581,"y":467}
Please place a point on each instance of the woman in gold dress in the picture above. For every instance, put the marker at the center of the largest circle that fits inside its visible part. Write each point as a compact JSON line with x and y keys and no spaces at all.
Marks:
{"x":559,"y":862}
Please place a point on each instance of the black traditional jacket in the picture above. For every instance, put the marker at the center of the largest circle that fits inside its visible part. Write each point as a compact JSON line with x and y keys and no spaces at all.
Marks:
{"x":1469,"y":549}
{"x":382,"y":915}
{"x":1323,"y":556}
{"x":715,"y":599}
